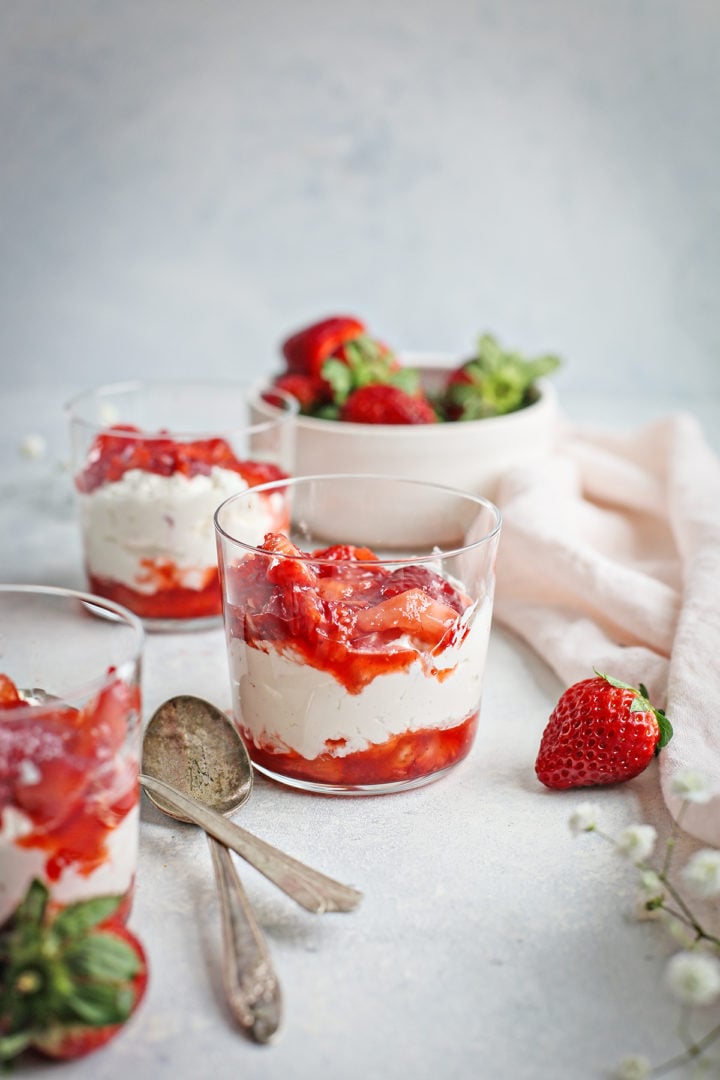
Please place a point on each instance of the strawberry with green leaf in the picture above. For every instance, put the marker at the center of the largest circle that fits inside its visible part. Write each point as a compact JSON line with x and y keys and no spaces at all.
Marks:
{"x":602,"y":731}
{"x":383,"y":403}
{"x":69,"y":980}
{"x":335,"y":370}
{"x":493,"y":382}
{"x":369,"y":386}
{"x":307,"y":350}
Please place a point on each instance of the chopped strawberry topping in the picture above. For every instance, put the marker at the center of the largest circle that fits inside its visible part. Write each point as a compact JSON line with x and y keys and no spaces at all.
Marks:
{"x":413,"y":612}
{"x":112,"y":455}
{"x":8,"y":693}
{"x":63,"y":769}
{"x":345,"y":614}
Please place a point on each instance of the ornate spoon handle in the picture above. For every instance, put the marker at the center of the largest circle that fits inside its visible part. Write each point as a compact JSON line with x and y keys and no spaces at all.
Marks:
{"x":308,"y":887}
{"x":251,"y":985}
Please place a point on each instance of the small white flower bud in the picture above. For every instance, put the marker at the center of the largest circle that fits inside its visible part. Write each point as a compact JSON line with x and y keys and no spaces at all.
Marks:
{"x":636,"y":842}
{"x":694,"y":978}
{"x":584,"y":817}
{"x":33,"y":447}
{"x":702,"y":872}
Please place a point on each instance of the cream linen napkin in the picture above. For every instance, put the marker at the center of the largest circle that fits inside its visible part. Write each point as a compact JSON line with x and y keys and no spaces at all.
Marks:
{"x":610,"y":559}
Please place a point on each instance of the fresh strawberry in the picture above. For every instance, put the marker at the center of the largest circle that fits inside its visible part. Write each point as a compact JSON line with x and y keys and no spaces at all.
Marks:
{"x":601,"y":731}
{"x":307,"y":350}
{"x":68,"y":981}
{"x":310,"y":390}
{"x":494,"y":382}
{"x":386,"y":404}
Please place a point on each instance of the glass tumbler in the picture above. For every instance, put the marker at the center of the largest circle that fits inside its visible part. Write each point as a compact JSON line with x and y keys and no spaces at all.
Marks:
{"x":151,"y":463}
{"x":70,"y":746}
{"x":357,"y":638}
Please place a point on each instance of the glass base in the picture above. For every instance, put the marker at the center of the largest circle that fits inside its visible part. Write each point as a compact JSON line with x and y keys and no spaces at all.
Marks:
{"x":354,"y":789}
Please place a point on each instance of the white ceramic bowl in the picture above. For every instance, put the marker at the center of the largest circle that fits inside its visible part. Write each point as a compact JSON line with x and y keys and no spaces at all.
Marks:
{"x":470,"y":454}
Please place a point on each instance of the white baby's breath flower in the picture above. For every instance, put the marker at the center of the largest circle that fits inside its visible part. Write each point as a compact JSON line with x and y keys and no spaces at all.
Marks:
{"x":694,"y":978}
{"x":702,"y":872}
{"x":633,"y":1067}
{"x":636,"y":842}
{"x":584,"y":817}
{"x":651,"y":886}
{"x":33,"y":447}
{"x":651,"y":894}
{"x":691,"y":786}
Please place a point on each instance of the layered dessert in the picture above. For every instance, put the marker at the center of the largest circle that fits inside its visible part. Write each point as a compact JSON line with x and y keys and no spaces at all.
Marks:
{"x":146,"y":507}
{"x":349,"y":673}
{"x":69,"y":795}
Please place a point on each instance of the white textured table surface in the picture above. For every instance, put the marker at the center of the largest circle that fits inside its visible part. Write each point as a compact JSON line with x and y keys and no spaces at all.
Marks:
{"x":490,"y":943}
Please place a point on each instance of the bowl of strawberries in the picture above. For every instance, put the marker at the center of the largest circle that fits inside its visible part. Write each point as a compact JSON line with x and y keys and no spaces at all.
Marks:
{"x":462,"y":422}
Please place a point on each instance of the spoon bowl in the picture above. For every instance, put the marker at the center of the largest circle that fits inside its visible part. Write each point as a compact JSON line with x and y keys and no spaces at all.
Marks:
{"x":190,"y":744}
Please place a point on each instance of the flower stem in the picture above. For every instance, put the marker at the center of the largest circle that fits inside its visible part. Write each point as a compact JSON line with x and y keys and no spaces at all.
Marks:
{"x":692,"y":1051}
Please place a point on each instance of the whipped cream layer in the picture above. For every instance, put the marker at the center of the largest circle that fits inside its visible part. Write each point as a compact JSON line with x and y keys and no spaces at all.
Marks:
{"x":287,"y":705}
{"x":147,"y":517}
{"x":18,"y":865}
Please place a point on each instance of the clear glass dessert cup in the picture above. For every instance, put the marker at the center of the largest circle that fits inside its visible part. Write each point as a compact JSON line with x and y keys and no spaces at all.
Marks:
{"x":70,"y":746}
{"x":357,"y":638}
{"x":151,"y":463}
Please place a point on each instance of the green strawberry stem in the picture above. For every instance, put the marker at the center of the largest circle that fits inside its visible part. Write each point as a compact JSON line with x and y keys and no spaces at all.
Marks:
{"x":497,"y":381}
{"x":641,"y":703}
{"x":61,"y":971}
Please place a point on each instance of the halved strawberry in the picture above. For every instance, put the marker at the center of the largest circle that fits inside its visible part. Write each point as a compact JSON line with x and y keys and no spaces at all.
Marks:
{"x":293,"y":568}
{"x":412,"y":612}
{"x":69,"y":980}
{"x":306,"y":351}
{"x":381,"y":403}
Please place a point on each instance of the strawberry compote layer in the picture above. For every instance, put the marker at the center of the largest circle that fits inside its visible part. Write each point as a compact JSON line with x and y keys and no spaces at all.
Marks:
{"x":348,"y":673}
{"x":69,"y":796}
{"x":146,"y":508}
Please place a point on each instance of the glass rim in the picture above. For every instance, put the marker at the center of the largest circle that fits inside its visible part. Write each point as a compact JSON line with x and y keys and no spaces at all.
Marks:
{"x":295,"y":481}
{"x":282,"y":417}
{"x":107,"y":608}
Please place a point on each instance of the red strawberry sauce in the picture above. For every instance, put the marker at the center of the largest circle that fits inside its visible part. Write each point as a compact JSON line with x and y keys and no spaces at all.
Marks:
{"x":357,"y":619}
{"x":63,"y":769}
{"x":109,"y":458}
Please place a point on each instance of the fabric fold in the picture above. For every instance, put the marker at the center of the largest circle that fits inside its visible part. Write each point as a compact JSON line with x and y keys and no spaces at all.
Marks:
{"x":610,"y":559}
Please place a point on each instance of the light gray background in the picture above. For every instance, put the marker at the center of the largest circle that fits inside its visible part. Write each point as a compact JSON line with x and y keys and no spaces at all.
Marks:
{"x":182,"y":183}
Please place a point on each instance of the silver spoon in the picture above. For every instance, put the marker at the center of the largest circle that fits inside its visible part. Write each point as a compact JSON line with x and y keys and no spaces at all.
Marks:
{"x":201,"y":757}
{"x":173,"y":778}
